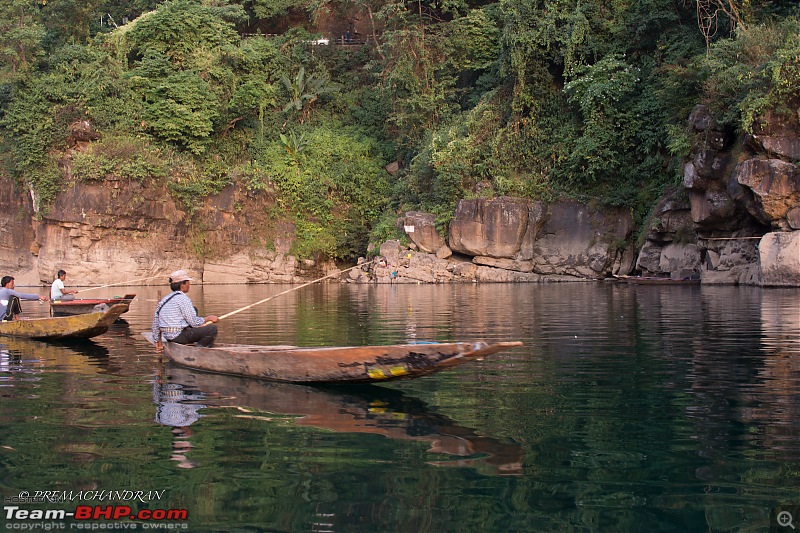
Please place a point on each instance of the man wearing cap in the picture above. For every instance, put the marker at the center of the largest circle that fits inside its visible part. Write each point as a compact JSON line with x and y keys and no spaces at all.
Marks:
{"x":176,"y":319}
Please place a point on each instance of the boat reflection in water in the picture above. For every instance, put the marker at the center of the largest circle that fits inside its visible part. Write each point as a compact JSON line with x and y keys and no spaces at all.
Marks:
{"x":28,"y":355}
{"x":183,"y":393}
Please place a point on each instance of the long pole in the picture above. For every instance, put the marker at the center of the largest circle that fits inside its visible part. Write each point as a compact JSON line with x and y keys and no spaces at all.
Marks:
{"x":226,"y":315}
{"x":120,"y":283}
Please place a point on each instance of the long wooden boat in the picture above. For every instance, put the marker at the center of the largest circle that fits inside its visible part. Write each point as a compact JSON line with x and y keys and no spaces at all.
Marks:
{"x":63,"y":327}
{"x":344,"y":409}
{"x":84,"y":306}
{"x":651,"y":280}
{"x":349,"y":364}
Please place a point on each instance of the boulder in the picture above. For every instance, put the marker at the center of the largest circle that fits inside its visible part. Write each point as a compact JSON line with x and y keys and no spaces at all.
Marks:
{"x":677,"y":259}
{"x":714,"y":209}
{"x":672,"y":216}
{"x":778,"y":259}
{"x":778,"y":134}
{"x":491,"y":228}
{"x":576,"y":240}
{"x":775,"y":185}
{"x":421,"y":229}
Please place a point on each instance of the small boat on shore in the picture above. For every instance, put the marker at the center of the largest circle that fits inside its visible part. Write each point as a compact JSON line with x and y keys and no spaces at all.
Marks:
{"x":349,"y":364}
{"x":63,"y":327}
{"x":88,"y":305}
{"x":649,"y":280}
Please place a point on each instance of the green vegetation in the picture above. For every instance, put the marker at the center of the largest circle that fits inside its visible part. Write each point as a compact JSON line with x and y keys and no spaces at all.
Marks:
{"x":539,"y":99}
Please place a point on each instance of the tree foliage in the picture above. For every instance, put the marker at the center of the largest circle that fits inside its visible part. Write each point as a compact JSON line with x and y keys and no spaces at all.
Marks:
{"x":535,"y":98}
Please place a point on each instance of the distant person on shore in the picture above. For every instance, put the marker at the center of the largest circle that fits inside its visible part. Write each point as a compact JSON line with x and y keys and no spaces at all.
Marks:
{"x":57,"y":290}
{"x":10,"y":308}
{"x":176,"y":319}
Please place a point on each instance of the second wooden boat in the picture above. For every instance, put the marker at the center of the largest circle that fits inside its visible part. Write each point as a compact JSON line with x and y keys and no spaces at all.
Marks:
{"x":88,"y":305}
{"x":63,"y":327}
{"x":350,"y":364}
{"x":649,"y":280}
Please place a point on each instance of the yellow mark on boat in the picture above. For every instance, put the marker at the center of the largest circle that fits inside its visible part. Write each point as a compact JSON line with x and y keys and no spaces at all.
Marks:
{"x":398,"y":371}
{"x":376,"y":373}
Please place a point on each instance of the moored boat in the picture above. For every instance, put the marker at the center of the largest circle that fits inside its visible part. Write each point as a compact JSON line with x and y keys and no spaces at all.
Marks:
{"x":84,"y":306}
{"x":348,"y":364}
{"x":651,"y":280}
{"x":63,"y":327}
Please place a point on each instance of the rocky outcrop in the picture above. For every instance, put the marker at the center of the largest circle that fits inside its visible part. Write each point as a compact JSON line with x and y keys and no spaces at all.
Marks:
{"x":421,"y":229}
{"x":508,"y":240}
{"x":779,"y":259}
{"x":737,"y":197}
{"x":735,"y":220}
{"x":114,"y":230}
{"x":18,"y":247}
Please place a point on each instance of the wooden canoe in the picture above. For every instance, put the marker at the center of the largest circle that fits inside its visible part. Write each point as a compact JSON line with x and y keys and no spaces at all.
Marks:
{"x":350,"y":364}
{"x":646,"y":280}
{"x":88,"y":305}
{"x":63,"y":327}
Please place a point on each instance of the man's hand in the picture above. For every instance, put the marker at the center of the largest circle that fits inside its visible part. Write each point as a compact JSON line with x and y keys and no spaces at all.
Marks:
{"x":211,"y":318}
{"x":159,"y":347}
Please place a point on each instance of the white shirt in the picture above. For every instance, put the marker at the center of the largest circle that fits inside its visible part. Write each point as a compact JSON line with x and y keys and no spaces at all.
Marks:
{"x":56,"y":290}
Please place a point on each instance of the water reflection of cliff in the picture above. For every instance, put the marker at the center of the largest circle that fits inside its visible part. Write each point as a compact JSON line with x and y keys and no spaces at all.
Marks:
{"x":361,"y":409}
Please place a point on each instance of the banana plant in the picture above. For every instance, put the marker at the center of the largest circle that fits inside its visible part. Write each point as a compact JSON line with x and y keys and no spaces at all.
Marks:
{"x":303,"y":92}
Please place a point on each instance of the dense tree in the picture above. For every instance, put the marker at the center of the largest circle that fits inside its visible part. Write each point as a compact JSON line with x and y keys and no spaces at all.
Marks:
{"x":536,"y":98}
{"x":21,"y":34}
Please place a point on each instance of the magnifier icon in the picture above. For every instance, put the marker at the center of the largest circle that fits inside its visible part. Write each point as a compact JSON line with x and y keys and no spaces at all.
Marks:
{"x":785,"y":519}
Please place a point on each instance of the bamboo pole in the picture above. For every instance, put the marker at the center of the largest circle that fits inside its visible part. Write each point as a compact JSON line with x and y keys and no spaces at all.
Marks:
{"x":226,"y":315}
{"x":120,"y":283}
{"x":726,"y":238}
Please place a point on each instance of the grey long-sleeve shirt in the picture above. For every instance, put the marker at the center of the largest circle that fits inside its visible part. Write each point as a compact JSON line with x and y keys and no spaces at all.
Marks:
{"x":6,"y":294}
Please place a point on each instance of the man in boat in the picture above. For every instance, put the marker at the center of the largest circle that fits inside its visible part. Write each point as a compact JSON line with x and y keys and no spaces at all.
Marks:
{"x":57,"y":290}
{"x":176,"y":318}
{"x":10,"y":308}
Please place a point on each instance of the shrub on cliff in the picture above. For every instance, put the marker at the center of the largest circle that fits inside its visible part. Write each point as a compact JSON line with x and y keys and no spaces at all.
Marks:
{"x":333,"y":185}
{"x":757,"y":70}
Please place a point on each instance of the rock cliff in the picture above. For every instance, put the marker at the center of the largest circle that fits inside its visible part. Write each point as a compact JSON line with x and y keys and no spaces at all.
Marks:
{"x":104,"y":232}
{"x":735,"y":220}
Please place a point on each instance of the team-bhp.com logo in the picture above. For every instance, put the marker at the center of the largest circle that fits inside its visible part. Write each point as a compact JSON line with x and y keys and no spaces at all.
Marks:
{"x":96,"y":512}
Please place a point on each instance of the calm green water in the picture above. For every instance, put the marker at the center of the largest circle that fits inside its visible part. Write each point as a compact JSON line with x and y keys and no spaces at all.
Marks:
{"x":628,"y":409}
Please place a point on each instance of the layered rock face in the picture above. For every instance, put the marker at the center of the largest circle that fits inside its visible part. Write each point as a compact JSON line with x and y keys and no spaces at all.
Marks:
{"x":118,"y":230}
{"x":509,"y":239}
{"x":18,"y":247}
{"x":734,"y":219}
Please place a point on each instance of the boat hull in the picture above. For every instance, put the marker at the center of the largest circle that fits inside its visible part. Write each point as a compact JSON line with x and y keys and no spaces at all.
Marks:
{"x":352,"y":364}
{"x":86,"y":306}
{"x":64,"y":327}
{"x":641,"y":280}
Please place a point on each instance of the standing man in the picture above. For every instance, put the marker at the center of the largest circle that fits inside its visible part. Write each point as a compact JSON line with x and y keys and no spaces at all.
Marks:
{"x":10,"y":307}
{"x":176,"y":319}
{"x":57,"y":290}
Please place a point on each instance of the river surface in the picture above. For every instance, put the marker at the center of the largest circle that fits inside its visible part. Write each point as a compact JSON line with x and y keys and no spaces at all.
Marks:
{"x":629,"y":408}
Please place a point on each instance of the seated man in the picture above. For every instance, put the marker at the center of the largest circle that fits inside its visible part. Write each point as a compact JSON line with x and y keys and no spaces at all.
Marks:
{"x":57,"y":290}
{"x":10,"y":307}
{"x":176,"y":319}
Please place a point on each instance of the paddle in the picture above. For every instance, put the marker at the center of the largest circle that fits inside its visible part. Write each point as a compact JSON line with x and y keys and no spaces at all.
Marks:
{"x":226,"y":315}
{"x":120,"y":283}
